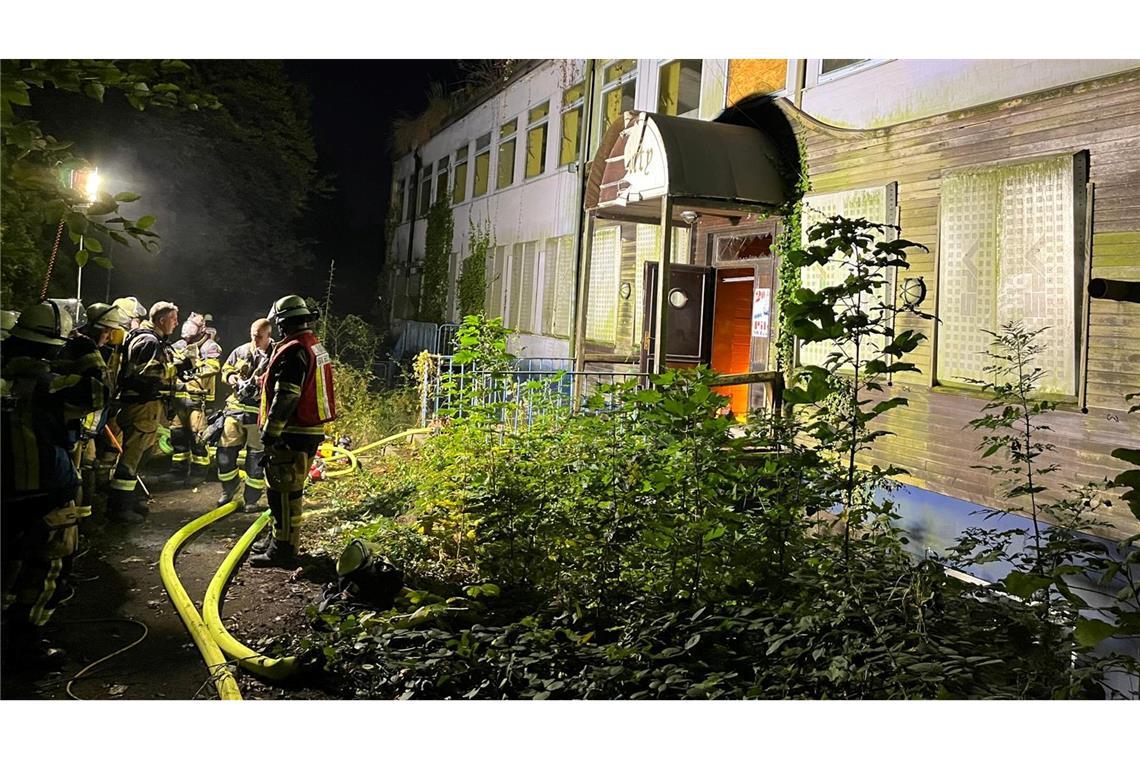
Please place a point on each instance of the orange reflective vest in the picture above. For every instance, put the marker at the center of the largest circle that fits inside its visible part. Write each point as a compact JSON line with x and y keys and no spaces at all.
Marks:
{"x":318,"y":399}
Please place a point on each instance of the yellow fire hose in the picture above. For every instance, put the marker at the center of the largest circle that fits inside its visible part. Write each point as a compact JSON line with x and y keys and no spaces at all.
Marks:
{"x":341,"y":453}
{"x":211,"y":608}
{"x":215,"y":661}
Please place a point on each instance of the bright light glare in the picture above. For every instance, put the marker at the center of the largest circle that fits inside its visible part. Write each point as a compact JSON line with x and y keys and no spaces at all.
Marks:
{"x":92,"y":185}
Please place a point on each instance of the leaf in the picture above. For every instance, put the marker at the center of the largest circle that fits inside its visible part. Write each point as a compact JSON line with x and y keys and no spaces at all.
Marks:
{"x":94,"y":90}
{"x":145,"y":222}
{"x":103,"y":261}
{"x":81,"y":257}
{"x":1025,"y":585}
{"x":92,"y":245}
{"x":127,"y":197}
{"x":693,"y":641}
{"x":1089,"y":633}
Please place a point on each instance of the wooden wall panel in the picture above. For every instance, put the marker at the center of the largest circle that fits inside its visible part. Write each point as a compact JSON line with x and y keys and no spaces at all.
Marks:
{"x":932,"y":438}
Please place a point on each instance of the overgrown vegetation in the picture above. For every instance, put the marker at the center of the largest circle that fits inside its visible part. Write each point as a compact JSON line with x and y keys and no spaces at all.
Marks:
{"x":437,"y":261}
{"x":472,"y":285}
{"x":645,"y":548}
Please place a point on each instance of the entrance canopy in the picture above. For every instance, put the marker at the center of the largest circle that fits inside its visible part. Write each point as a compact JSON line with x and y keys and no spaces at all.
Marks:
{"x":708,"y":167}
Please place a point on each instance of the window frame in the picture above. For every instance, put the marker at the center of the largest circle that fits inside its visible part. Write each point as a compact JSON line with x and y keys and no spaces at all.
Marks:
{"x":479,"y":153}
{"x":579,"y":105}
{"x":695,"y":111}
{"x":458,"y":184}
{"x":427,"y":176}
{"x":512,"y":139}
{"x":398,"y":198}
{"x":628,"y":77}
{"x":853,"y":68}
{"x":533,"y":125}
{"x":442,"y":179}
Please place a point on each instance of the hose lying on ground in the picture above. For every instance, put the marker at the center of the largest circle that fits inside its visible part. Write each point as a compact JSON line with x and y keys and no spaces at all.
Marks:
{"x":211,"y":608}
{"x":339,"y":453}
{"x":224,"y":680}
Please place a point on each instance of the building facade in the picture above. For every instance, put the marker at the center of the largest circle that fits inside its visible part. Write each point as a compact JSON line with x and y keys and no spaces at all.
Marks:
{"x":1021,"y":177}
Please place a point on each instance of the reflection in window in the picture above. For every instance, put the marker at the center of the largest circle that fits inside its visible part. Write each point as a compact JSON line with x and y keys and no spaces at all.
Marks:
{"x":572,"y":103}
{"x":828,"y":65}
{"x":506,"y":170}
{"x":482,"y":165}
{"x":459,"y":189}
{"x":536,"y":140}
{"x":441,"y":177}
{"x":679,"y":93}
{"x":619,"y":88}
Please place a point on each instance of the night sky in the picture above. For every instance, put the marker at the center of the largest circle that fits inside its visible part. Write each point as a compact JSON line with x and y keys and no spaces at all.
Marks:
{"x":354,"y":103}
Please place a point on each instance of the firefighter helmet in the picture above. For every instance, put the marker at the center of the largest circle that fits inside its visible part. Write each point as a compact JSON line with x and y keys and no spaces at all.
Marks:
{"x":130,"y":307}
{"x":45,"y":322}
{"x":104,"y":315}
{"x":8,"y":321}
{"x":291,"y":307}
{"x":74,"y":307}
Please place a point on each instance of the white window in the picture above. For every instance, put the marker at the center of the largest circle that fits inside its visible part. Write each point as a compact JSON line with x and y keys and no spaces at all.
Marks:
{"x":506,"y":161}
{"x":537,"y":122}
{"x":558,"y":286}
{"x":1007,"y":253}
{"x":425,"y":191}
{"x":441,"y":169}
{"x":619,"y":89}
{"x":601,"y":311}
{"x":459,"y":190}
{"x":482,"y":165}
{"x":872,"y":204}
{"x":573,"y":100}
{"x":679,"y":88}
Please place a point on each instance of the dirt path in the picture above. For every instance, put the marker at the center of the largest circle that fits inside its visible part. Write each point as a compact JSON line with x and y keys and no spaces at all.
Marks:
{"x":118,"y":578}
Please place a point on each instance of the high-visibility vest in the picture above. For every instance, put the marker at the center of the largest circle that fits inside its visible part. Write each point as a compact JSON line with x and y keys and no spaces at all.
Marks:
{"x":318,"y":399}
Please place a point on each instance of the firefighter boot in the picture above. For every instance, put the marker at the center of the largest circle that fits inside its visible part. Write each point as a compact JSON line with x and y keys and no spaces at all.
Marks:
{"x":229,"y":490}
{"x":261,"y":545}
{"x":251,"y":498}
{"x":26,"y":647}
{"x":122,"y":507}
{"x":276,"y":554}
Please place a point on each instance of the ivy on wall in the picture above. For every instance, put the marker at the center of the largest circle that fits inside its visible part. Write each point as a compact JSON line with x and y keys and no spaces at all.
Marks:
{"x":472,"y":283}
{"x":788,"y":276}
{"x":437,"y":255}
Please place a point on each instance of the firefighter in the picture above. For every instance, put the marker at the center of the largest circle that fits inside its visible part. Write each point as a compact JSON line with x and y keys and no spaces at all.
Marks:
{"x":40,"y":520}
{"x":203,"y":356}
{"x":148,"y":376}
{"x":132,"y":310}
{"x":297,"y":399}
{"x":242,"y":372}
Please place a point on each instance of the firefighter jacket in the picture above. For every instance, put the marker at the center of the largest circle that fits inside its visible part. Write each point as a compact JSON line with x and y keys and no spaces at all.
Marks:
{"x":298,"y":395}
{"x":243,"y":371}
{"x":34,"y":442}
{"x":206,"y":360}
{"x":82,"y":360}
{"x":148,"y":372}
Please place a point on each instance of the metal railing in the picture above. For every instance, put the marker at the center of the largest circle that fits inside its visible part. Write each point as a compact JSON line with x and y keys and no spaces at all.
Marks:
{"x":517,"y":395}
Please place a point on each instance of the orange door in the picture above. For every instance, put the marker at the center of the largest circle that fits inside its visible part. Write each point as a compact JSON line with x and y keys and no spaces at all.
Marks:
{"x":732,"y":332}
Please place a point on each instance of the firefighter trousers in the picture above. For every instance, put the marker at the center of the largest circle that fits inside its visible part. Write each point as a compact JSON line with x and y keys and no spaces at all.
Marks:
{"x":37,"y":548}
{"x":139,"y":424}
{"x":186,"y":429}
{"x":235,"y":435}
{"x":286,"y":471}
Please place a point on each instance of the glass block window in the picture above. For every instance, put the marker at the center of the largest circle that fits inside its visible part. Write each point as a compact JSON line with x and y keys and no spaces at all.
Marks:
{"x":870,"y":204}
{"x":679,"y":89}
{"x":1007,"y":253}
{"x":601,"y":312}
{"x":558,"y":286}
{"x":497,"y":283}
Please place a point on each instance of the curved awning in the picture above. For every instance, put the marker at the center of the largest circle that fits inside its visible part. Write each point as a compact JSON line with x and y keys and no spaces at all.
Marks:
{"x":646,"y":156}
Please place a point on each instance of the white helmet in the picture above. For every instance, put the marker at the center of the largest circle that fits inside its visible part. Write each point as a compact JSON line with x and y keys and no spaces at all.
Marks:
{"x":45,"y":322}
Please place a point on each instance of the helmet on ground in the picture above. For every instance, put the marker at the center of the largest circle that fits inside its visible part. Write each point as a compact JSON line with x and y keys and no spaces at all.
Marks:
{"x":104,"y":315}
{"x":291,"y":307}
{"x":75,"y":308}
{"x":130,"y":307}
{"x":45,"y":322}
